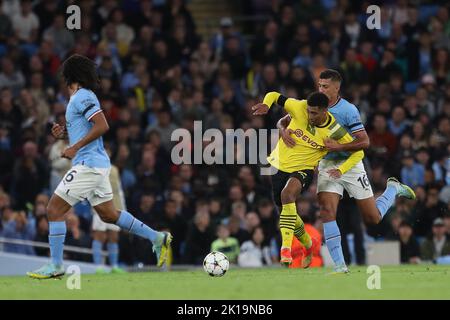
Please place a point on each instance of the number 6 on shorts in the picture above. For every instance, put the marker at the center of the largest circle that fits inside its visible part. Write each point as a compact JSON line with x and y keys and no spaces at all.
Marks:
{"x":69,"y":176}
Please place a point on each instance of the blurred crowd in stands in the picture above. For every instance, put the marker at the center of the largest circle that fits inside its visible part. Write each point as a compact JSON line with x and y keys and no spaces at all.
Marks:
{"x":158,"y":74}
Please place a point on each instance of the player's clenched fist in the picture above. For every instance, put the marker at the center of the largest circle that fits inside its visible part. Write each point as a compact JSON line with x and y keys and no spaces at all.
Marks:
{"x":335,"y":173}
{"x":70,"y":152}
{"x":58,"y":131}
{"x":332,"y":145}
{"x":259,"y":109}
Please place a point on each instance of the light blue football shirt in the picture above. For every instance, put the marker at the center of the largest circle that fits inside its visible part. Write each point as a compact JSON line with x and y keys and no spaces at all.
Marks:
{"x":347,"y":115}
{"x":82,"y":106}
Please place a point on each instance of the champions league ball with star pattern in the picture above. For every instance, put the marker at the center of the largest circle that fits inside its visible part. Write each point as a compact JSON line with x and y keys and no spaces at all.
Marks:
{"x":216,"y":264}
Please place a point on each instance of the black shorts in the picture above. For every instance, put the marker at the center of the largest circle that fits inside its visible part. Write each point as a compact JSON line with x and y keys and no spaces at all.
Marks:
{"x":280,"y":179}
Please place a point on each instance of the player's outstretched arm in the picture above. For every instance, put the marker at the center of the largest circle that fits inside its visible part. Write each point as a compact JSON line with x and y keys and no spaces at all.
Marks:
{"x":263,"y":108}
{"x":360,"y":142}
{"x":260,"y":109}
{"x":275,"y":97}
{"x":354,"y":158}
{"x":99,"y":128}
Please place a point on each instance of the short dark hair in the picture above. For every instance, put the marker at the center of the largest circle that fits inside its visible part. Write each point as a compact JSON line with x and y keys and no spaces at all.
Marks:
{"x":405,"y":223}
{"x":82,"y":70}
{"x":331,"y":74}
{"x":318,"y":99}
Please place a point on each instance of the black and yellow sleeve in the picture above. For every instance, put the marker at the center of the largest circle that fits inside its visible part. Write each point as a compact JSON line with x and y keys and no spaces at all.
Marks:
{"x":293,"y":106}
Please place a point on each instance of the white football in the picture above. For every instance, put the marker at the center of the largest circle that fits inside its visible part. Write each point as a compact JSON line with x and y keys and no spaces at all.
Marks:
{"x":216,"y":264}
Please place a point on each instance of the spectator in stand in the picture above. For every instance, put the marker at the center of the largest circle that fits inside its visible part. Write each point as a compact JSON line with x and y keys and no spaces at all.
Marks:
{"x":398,"y":123}
{"x":236,"y":229}
{"x":5,"y":26}
{"x":124,"y":32}
{"x":30,"y":176}
{"x":6,"y":153}
{"x":252,"y":221}
{"x":176,"y":224}
{"x":217,"y":43}
{"x":216,"y":211}
{"x":76,"y":237}
{"x":269,"y":222}
{"x":7,"y":214}
{"x":419,"y":136}
{"x":383,"y":143}
{"x":252,"y":253}
{"x":26,"y":25}
{"x":198,"y":239}
{"x":164,"y":127}
{"x":409,"y":247}
{"x":412,"y":173}
{"x":18,"y":227}
{"x":10,"y":77}
{"x":62,"y":38}
{"x":41,"y":236}
{"x":447,"y":224}
{"x":226,"y":244}
{"x":427,"y":211}
{"x":438,"y":245}
{"x":5,"y":201}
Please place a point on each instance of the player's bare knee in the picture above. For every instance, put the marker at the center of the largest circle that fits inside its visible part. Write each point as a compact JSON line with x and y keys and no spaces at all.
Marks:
{"x":287,"y":196}
{"x":327,"y":213}
{"x":53,"y":213}
{"x":373,"y":219}
{"x":99,"y":236}
{"x":113,"y":236}
{"x":108,"y":216}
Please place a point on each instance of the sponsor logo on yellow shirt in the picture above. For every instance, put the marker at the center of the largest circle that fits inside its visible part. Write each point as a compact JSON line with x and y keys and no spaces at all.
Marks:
{"x":301,"y":135}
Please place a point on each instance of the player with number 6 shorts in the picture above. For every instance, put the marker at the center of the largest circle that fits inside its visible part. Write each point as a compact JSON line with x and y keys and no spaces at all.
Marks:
{"x":330,"y":189}
{"x":88,"y":179}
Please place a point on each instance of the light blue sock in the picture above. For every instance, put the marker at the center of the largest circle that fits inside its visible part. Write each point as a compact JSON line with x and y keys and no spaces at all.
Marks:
{"x":113,"y":253}
{"x":97,"y":252}
{"x":56,"y":236}
{"x":386,"y":200}
{"x":333,"y":240}
{"x":443,"y":260}
{"x":129,"y":223}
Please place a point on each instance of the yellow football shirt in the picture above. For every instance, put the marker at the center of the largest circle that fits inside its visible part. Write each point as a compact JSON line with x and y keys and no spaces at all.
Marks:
{"x":309,"y":148}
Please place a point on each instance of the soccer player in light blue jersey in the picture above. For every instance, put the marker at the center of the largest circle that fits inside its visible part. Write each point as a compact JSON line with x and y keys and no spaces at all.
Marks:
{"x":330,"y":188}
{"x":89,"y":176}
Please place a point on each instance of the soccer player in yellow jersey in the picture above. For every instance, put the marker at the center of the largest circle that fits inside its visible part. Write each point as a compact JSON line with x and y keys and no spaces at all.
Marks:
{"x":312,"y":124}
{"x":355,"y":181}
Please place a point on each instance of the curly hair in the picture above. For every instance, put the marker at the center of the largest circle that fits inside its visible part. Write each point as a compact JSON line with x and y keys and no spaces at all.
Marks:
{"x":80,"y":69}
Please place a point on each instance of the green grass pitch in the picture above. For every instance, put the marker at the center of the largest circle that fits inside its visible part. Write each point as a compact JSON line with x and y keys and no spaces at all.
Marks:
{"x":397,"y":282}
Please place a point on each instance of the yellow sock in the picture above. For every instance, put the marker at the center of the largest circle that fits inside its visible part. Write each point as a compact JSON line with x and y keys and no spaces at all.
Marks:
{"x":288,"y":218}
{"x":301,"y":234}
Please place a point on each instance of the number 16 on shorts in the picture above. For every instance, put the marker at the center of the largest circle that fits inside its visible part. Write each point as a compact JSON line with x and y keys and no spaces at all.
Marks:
{"x":364,"y":181}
